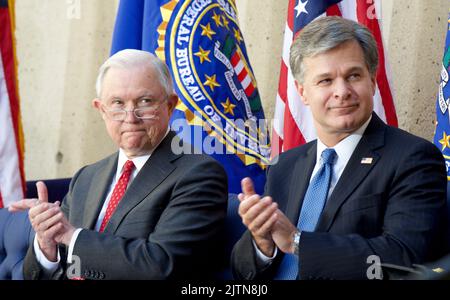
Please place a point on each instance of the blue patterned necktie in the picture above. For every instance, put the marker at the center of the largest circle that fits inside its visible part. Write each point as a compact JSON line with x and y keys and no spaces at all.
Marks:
{"x":312,"y":207}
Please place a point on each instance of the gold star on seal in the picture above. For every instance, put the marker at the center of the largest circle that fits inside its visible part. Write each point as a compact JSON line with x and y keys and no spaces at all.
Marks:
{"x":445,"y":141}
{"x":216,"y":19}
{"x":203,"y":54}
{"x":237,"y":35}
{"x":211,"y":82}
{"x":228,"y":107}
{"x":207,"y":31}
{"x":225,"y":21}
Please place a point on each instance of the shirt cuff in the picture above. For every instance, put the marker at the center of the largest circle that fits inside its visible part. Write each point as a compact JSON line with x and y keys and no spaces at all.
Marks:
{"x":72,"y":244}
{"x":265,"y":260}
{"x":48,"y":266}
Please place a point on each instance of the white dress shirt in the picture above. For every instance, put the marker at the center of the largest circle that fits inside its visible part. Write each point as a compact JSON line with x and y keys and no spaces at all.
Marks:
{"x":139,"y":162}
{"x":344,"y":150}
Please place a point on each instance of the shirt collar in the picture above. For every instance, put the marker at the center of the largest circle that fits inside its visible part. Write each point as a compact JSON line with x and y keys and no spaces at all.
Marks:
{"x":139,"y":162}
{"x":344,"y":149}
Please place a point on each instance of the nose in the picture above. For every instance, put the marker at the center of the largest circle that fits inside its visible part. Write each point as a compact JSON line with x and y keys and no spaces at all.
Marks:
{"x":342,"y":89}
{"x":131,"y":117}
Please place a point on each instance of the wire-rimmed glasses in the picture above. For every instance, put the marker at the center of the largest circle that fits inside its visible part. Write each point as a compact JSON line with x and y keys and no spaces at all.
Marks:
{"x":145,"y":113}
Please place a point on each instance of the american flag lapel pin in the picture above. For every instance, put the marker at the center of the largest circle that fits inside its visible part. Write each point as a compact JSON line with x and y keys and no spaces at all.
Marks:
{"x":366,"y":160}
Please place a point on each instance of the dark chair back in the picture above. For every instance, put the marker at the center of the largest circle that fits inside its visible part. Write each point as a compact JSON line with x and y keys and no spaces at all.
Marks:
{"x":57,"y":188}
{"x":234,"y":228}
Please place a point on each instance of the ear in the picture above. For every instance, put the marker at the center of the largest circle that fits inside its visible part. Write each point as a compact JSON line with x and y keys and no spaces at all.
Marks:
{"x":301,"y":91}
{"x":373,"y":79}
{"x":97,"y":104}
{"x":172,"y":102}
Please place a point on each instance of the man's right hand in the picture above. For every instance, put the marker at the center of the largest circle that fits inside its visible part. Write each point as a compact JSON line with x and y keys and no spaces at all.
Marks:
{"x":258,"y":215}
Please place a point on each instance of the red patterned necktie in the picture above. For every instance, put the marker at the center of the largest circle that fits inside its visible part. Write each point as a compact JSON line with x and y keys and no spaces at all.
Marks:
{"x":118,"y":192}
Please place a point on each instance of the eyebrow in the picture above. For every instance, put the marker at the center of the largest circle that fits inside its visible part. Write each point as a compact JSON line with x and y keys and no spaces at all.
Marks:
{"x":355,"y":69}
{"x":321,"y":76}
{"x":145,"y":95}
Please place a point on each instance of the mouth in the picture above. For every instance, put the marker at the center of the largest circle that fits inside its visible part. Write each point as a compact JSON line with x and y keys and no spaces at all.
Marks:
{"x":132,"y":132}
{"x":345,"y":108}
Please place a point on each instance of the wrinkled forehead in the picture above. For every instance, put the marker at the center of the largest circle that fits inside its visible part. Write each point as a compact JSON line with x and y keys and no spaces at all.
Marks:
{"x":346,"y":56}
{"x":134,"y":80}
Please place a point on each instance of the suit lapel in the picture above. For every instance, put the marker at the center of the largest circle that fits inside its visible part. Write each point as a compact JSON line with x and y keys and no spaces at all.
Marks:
{"x":299,"y":182}
{"x":152,"y":174}
{"x":355,"y":171}
{"x":98,"y":190}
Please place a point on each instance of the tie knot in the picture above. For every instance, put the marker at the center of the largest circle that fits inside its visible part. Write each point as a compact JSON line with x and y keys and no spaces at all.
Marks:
{"x":128,"y":167}
{"x":328,"y":156}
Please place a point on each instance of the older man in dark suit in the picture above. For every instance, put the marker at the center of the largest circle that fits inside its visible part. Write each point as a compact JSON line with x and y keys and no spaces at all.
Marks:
{"x":362,"y":195}
{"x":144,"y":212}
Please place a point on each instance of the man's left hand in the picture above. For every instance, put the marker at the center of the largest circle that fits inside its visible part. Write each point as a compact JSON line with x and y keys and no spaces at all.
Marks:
{"x":65,"y":232}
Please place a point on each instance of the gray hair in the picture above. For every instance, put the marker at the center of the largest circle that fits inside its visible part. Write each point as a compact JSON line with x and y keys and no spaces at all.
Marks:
{"x":327,"y":33}
{"x":131,"y":58}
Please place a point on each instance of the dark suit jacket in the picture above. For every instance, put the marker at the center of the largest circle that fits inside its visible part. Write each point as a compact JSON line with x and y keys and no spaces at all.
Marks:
{"x":394,"y":207}
{"x":168,"y":225}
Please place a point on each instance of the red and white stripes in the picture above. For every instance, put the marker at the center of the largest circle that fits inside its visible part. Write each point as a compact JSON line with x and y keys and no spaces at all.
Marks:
{"x":242,"y":74}
{"x":11,"y":139}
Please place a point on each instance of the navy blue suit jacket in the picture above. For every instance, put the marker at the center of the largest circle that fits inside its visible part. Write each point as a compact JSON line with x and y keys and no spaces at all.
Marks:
{"x":394,"y":207}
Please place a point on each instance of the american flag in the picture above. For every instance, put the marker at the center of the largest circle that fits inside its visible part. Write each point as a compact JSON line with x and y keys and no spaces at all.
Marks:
{"x":293,"y":123}
{"x":12,"y":179}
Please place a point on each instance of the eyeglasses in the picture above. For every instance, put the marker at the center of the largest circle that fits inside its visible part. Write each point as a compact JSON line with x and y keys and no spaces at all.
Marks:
{"x":143,"y":113}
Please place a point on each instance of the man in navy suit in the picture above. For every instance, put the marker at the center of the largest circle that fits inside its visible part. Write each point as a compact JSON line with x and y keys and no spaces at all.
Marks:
{"x":360,"y":196}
